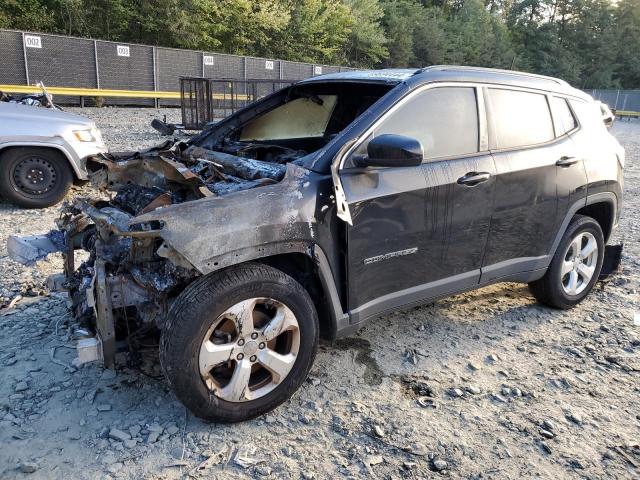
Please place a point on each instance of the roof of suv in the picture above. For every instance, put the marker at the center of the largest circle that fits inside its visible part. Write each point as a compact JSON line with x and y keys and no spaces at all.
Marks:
{"x":453,"y":73}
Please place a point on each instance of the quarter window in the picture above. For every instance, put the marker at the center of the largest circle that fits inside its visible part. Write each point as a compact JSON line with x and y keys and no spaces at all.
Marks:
{"x":443,"y":119}
{"x":563,"y":115}
{"x":520,"y":118}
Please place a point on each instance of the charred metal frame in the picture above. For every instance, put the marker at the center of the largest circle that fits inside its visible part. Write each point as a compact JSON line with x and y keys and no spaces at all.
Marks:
{"x":104,"y":314}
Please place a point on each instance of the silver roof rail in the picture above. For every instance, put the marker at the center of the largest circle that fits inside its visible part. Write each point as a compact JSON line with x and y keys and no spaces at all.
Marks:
{"x":489,"y":70}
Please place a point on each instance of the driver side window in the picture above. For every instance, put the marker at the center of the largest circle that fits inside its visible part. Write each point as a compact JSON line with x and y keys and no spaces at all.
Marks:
{"x":443,"y":119}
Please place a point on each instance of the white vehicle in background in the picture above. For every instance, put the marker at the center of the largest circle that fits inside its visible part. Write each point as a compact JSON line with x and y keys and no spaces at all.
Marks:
{"x":42,"y":151}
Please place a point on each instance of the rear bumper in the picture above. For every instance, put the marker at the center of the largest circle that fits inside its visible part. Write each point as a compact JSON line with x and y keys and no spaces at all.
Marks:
{"x":612,"y":261}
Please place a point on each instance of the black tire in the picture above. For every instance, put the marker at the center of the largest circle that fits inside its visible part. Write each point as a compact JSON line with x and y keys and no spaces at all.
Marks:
{"x":194,"y":312}
{"x":19,"y":166}
{"x":549,"y":290}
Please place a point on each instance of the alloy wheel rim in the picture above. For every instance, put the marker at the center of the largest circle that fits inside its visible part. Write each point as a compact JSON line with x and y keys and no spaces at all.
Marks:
{"x":249,"y":349}
{"x":579,"y":263}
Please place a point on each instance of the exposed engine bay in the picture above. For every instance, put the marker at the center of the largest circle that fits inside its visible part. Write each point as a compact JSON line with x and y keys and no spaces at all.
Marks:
{"x":176,"y":172}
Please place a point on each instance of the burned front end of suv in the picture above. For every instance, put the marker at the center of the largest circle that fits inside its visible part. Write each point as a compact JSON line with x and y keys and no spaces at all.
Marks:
{"x":163,"y":217}
{"x":122,"y":286}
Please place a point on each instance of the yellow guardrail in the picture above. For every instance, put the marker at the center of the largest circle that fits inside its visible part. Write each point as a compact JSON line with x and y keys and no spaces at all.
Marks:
{"x":102,"y":92}
{"x":90,"y":92}
{"x":627,"y":113}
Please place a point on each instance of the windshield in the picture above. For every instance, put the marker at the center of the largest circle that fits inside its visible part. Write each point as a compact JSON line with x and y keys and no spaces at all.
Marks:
{"x":300,"y":118}
{"x":293,"y":123}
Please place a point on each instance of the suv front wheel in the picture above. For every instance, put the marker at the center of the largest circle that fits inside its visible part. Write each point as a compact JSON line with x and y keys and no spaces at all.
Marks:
{"x":239,"y":342}
{"x":575,"y":267}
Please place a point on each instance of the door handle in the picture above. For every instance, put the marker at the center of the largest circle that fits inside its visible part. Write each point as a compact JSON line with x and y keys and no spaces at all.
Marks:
{"x":566,"y":161}
{"x":474,"y":178}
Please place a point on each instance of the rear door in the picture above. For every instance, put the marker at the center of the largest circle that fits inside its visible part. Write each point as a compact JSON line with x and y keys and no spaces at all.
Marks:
{"x":528,"y":159}
{"x":419,"y":232}
{"x":571,"y":172}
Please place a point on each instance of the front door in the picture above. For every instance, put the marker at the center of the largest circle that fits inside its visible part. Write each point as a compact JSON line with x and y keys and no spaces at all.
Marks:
{"x":419,"y":232}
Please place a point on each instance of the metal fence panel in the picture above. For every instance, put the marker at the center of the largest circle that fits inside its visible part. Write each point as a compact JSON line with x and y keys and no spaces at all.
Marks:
{"x":296,"y":70}
{"x":223,"y":66}
{"x":12,"y":70}
{"x":173,"y":64}
{"x":628,"y":100}
{"x":330,"y":69}
{"x":618,"y":99}
{"x":135,"y":70}
{"x":63,"y":61}
{"x":131,"y":66}
{"x":262,"y":68}
{"x":78,"y":62}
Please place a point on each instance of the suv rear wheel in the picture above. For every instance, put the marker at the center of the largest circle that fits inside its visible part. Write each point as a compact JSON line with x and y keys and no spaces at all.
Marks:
{"x":34,"y":177}
{"x":240,"y":342}
{"x":575,"y":267}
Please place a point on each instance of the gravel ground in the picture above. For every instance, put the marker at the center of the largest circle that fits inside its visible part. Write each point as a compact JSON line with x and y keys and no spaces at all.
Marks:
{"x":487,"y":384}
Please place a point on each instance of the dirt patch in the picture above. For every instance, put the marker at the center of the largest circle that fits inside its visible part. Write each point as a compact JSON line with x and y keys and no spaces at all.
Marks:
{"x":373,"y":374}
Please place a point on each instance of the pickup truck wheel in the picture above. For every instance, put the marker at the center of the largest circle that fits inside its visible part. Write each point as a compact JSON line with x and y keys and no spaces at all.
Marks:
{"x":239,"y":342}
{"x":34,"y":177}
{"x":575,"y":267}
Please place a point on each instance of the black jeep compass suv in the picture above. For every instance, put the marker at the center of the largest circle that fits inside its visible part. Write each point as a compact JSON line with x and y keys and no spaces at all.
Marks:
{"x":339,"y":198}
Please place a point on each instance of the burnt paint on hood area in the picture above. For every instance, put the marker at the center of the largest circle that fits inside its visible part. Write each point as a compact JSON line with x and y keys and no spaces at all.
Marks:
{"x":213,"y":232}
{"x":208,"y":203}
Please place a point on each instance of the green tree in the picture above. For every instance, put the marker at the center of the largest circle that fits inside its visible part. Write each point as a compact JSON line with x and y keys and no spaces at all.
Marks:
{"x":366,"y":44}
{"x":317,"y":32}
{"x":34,"y":15}
{"x":402,"y":20}
{"x":108,"y":19}
{"x":431,"y":39}
{"x":628,"y":43}
{"x":592,"y":39}
{"x":590,"y":43}
{"x":476,"y":37}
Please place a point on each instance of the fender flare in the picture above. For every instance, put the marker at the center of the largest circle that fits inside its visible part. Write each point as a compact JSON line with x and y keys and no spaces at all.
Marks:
{"x":313,"y":251}
{"x":72,"y":160}
{"x":600,"y":197}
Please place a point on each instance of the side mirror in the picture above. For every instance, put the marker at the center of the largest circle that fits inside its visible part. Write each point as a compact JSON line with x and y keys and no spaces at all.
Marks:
{"x":392,"y":151}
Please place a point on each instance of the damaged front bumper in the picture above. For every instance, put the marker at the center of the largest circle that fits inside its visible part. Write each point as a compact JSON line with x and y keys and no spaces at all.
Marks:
{"x":132,"y":267}
{"x":124,"y":283}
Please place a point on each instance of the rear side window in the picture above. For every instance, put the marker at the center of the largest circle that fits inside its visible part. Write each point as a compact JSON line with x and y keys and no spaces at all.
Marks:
{"x":520,"y":118}
{"x":444,"y":119}
{"x":563,"y":115}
